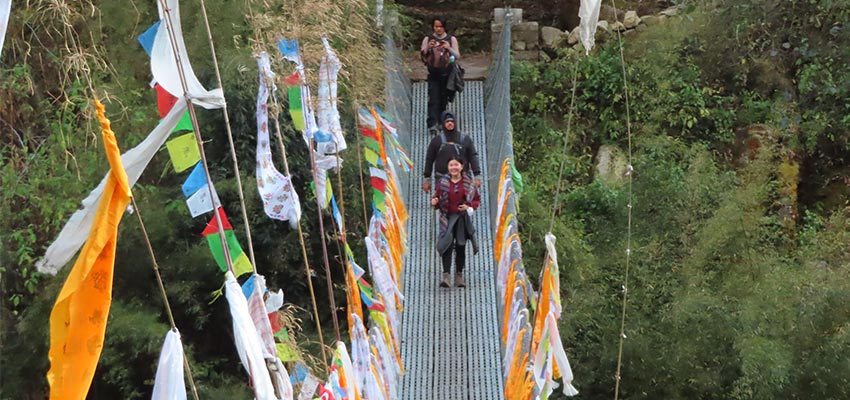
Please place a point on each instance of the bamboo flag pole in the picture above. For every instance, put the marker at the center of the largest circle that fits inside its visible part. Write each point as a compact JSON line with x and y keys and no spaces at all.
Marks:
{"x":162,"y":291}
{"x":230,"y":141}
{"x":194,"y":118}
{"x":300,"y":233}
{"x":314,"y":171}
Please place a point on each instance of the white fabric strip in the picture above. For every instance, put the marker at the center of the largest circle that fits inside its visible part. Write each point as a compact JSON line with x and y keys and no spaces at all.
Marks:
{"x":135,"y":161}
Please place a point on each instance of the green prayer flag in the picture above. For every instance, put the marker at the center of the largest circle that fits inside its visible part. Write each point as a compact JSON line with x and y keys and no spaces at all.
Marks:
{"x":371,"y":156}
{"x":185,"y":123}
{"x":295,"y":109}
{"x":218,"y":252}
{"x":517,"y":179}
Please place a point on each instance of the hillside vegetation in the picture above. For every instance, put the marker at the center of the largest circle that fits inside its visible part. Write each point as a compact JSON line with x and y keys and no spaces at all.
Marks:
{"x":739,"y":265}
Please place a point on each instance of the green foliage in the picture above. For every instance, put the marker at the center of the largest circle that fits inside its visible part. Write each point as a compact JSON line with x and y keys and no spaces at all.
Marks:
{"x":729,"y":296}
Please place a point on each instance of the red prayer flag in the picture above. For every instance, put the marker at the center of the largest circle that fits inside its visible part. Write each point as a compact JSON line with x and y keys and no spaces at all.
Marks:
{"x":164,"y":100}
{"x":212,"y":226}
{"x":293,"y":80}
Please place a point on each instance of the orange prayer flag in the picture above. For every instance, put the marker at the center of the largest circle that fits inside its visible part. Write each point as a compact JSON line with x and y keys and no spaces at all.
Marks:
{"x":78,"y":319}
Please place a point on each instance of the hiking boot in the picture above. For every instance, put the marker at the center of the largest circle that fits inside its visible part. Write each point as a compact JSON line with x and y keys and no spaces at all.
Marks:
{"x":445,"y":281}
{"x":459,"y":281}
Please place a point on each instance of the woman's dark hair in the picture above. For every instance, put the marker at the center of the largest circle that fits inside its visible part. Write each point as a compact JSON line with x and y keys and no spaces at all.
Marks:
{"x":442,"y":21}
{"x":458,"y":158}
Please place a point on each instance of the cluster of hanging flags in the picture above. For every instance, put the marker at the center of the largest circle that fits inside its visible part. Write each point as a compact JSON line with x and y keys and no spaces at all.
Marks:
{"x":78,"y":320}
{"x":534,"y":356}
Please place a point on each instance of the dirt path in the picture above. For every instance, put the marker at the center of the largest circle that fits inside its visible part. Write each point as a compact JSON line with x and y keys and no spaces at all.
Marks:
{"x":475,"y":65}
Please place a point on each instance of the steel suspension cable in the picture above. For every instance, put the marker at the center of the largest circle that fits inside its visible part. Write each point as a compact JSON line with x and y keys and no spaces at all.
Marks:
{"x":629,"y":174}
{"x":555,"y":202}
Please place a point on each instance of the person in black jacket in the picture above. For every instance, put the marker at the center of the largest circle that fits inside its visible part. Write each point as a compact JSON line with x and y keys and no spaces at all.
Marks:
{"x":439,"y":52}
{"x":443,"y":146}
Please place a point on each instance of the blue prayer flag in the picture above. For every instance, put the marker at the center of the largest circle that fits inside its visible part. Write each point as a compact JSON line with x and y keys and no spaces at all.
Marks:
{"x":147,"y":37}
{"x":289,"y":49}
{"x":195,"y":181}
{"x":248,"y":287}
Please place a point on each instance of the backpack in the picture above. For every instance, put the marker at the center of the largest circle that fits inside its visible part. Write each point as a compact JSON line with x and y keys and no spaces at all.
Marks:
{"x":453,"y":147}
{"x":438,"y":59}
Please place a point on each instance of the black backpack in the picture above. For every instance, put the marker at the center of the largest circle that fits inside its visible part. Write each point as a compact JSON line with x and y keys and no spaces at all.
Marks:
{"x":453,"y":147}
{"x":438,"y":59}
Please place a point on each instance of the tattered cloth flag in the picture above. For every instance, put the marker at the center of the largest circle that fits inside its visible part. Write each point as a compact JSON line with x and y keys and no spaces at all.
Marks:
{"x":169,"y":383}
{"x":164,"y":67}
{"x":248,"y":341}
{"x":78,"y":319}
{"x":289,"y":49}
{"x":327,"y":114}
{"x":280,"y":201}
{"x":324,"y":163}
{"x":589,"y":13}
{"x":551,"y":358}
{"x":5,"y":10}
{"x":135,"y":161}
{"x":239,"y":260}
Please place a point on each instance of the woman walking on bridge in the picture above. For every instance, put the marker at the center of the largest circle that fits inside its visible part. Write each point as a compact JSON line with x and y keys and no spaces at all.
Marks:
{"x":439,"y":52}
{"x":457,"y":198}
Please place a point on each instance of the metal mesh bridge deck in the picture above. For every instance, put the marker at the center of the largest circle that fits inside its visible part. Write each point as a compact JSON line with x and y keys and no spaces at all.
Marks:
{"x":450,"y":337}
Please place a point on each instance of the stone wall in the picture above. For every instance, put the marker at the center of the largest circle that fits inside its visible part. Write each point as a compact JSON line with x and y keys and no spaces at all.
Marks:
{"x":530,"y":41}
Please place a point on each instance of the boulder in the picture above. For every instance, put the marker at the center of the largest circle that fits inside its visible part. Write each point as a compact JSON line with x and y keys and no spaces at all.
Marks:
{"x":611,"y":165}
{"x":640,"y":28}
{"x":670,"y":12}
{"x":618,"y":27}
{"x":650,"y":20}
{"x":499,"y":15}
{"x":519,"y":45}
{"x":550,"y":36}
{"x":606,"y":13}
{"x":574,"y":37}
{"x":631,"y":20}
{"x":603,"y":26}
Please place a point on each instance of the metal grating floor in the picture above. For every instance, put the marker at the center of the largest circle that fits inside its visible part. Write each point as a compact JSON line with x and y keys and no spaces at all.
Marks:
{"x":450,"y":339}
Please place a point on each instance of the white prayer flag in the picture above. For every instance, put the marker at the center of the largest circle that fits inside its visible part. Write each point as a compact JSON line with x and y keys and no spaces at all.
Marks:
{"x":169,"y":384}
{"x":248,"y":340}
{"x":135,"y":161}
{"x":589,"y":13}
{"x":201,"y":203}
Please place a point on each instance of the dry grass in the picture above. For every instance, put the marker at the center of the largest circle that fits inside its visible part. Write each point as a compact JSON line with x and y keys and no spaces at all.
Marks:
{"x":348,"y":25}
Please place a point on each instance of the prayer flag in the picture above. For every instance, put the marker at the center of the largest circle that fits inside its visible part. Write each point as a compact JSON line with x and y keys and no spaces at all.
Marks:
{"x":201,"y":203}
{"x":164,"y":100}
{"x":280,"y":201}
{"x":239,"y":260}
{"x":183,"y":151}
{"x":195,"y":181}
{"x":295,"y":109}
{"x":248,"y":340}
{"x":169,"y":383}
{"x":589,"y":13}
{"x":293,"y":80}
{"x":289,"y":49}
{"x":185,"y":123}
{"x":78,"y":319}
{"x":147,"y":37}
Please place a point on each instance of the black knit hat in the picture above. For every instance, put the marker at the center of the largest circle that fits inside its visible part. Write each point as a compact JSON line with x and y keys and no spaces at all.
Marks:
{"x":447,"y":116}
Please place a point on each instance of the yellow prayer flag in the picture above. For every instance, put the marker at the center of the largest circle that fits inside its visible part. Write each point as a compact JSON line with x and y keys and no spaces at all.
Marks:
{"x":183,"y":151}
{"x":78,"y":319}
{"x":242,"y":265}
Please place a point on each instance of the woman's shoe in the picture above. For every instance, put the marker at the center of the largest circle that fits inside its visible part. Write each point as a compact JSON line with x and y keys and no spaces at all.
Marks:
{"x":445,"y":281}
{"x":459,"y":281}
